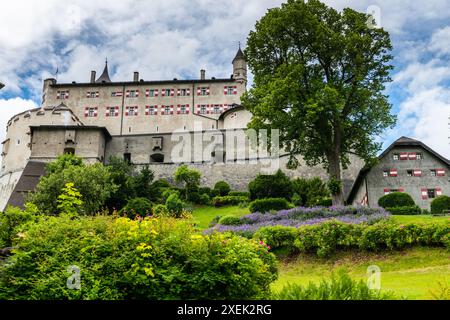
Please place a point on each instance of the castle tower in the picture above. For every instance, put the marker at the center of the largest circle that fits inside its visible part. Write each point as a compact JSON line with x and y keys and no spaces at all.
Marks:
{"x":104,"y":78}
{"x":240,"y":67}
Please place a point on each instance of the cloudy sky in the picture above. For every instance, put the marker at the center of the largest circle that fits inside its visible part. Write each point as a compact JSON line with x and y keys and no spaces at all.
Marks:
{"x":164,"y":39}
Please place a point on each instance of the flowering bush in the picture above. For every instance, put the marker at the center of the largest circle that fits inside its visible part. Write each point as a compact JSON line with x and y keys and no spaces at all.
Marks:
{"x":145,"y":259}
{"x":302,"y":216}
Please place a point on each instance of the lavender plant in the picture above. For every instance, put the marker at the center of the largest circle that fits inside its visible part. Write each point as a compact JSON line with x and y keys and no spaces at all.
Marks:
{"x":301,"y":216}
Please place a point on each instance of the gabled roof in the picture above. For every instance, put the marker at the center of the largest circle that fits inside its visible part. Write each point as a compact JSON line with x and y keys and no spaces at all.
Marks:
{"x":104,"y":78}
{"x":401,"y":142}
{"x":407,"y":142}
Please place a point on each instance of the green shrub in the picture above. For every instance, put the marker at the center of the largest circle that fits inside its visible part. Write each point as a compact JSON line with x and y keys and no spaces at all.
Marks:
{"x":409,"y":210}
{"x":174,"y":205}
{"x":230,"y":221}
{"x":137,"y":207}
{"x":204,"y":199}
{"x":168,"y":192}
{"x":162,"y":183}
{"x":271,"y":186}
{"x":277,"y":236}
{"x":121,"y":259}
{"x":325,"y":238}
{"x":324,"y":202}
{"x":310,"y":192}
{"x":440,"y":204}
{"x":266,"y":205}
{"x":222,"y":188}
{"x":94,"y":182}
{"x":192,"y":194}
{"x":396,"y":199}
{"x":239,"y":194}
{"x":11,"y":220}
{"x":389,"y":235}
{"x":340,"y":287}
{"x":160,"y":210}
{"x":205,"y":190}
{"x":228,"y":201}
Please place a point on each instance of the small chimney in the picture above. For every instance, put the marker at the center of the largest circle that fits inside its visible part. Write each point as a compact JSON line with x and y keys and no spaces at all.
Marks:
{"x":93,"y":74}
{"x":202,"y":74}
{"x":136,"y":77}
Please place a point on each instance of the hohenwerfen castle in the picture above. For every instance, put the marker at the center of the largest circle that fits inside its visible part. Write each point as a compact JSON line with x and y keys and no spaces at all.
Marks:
{"x":133,"y":120}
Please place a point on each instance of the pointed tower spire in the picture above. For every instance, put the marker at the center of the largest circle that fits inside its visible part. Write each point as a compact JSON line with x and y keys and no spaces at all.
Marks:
{"x":239,"y":54}
{"x":105,"y":75}
{"x":240,"y":66}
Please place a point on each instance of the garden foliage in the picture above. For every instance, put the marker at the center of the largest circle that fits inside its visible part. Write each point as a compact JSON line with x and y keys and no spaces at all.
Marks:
{"x":440,"y":204}
{"x":396,"y":199}
{"x":118,"y":259}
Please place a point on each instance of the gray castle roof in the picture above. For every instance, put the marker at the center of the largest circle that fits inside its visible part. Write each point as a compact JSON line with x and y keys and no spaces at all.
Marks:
{"x":239,"y":55}
{"x":104,"y":78}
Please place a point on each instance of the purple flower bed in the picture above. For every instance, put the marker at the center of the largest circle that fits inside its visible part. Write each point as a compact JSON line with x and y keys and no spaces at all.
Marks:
{"x":298,"y":217}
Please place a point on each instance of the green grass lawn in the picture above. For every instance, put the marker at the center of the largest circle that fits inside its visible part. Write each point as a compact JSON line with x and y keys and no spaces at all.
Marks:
{"x":413,"y":273}
{"x":429,"y":218}
{"x":204,"y":215}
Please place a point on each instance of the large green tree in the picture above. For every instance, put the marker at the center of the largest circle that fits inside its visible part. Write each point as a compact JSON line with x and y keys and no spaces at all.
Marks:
{"x":93,"y":182}
{"x":319,"y":77}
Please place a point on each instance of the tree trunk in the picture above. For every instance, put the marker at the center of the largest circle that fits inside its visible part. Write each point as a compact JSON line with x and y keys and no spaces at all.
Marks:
{"x":335,"y":172}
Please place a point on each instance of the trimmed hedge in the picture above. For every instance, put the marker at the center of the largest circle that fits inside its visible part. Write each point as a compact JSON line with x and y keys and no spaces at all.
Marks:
{"x":205,"y":190}
{"x":266,"y":205}
{"x":222,"y":188}
{"x":396,"y":199}
{"x":271,"y":186}
{"x":326,"y":238}
{"x":228,"y":201}
{"x":239,"y":194}
{"x":408,"y":210}
{"x":440,"y":204}
{"x":230,"y":221}
{"x":278,"y":236}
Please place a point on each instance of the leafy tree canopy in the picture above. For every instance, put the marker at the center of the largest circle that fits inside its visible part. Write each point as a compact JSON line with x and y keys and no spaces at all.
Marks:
{"x":319,"y":77}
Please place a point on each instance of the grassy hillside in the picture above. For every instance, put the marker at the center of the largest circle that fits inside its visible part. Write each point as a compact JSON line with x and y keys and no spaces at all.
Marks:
{"x":414,"y":273}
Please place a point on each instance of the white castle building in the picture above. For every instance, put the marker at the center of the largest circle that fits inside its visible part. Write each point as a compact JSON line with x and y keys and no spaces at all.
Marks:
{"x":135,"y":120}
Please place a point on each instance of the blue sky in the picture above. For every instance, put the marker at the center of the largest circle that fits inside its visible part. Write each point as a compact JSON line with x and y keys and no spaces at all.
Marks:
{"x":164,"y":39}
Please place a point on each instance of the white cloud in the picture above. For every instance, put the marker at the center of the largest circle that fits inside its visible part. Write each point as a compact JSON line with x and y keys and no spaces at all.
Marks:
{"x":440,"y":41}
{"x":426,"y":115}
{"x":163,"y":39}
